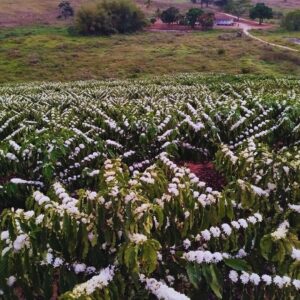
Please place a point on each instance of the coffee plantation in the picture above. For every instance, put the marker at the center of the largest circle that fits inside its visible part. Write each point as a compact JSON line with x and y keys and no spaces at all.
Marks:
{"x":98,"y":203}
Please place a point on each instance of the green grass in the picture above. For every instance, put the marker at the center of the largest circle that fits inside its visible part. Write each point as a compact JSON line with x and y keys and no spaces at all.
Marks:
{"x":279,"y":36}
{"x":51,"y":53}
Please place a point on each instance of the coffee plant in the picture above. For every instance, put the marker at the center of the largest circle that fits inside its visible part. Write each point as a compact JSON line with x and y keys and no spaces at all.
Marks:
{"x":97,"y":200}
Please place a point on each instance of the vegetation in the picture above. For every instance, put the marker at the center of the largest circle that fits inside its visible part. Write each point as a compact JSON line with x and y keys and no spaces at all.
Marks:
{"x":207,"y":20}
{"x":65,"y":9}
{"x":261,"y":11}
{"x":52,"y":54}
{"x":105,"y":17}
{"x":170,"y":15}
{"x":167,"y":187}
{"x":281,"y":37}
{"x":193,"y":15}
{"x":291,"y":21}
{"x":102,"y":209}
{"x":238,"y":7}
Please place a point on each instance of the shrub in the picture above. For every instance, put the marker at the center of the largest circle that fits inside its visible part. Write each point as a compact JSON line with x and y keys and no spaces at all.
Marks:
{"x":221,"y":51}
{"x":245,"y":70}
{"x":65,"y":9}
{"x":109,"y":17}
{"x":207,"y":20}
{"x":170,"y":15}
{"x":291,"y":21}
{"x":153,"y":20}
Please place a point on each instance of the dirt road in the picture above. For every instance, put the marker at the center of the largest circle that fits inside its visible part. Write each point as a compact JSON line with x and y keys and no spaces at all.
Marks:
{"x":248,"y":25}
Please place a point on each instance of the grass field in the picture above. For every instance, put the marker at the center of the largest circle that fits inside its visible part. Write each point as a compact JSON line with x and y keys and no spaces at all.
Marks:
{"x":279,"y":36}
{"x":281,"y":4}
{"x":50,"y":53}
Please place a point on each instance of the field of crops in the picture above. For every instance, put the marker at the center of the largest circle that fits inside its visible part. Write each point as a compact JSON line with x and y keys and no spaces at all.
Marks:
{"x":97,"y":200}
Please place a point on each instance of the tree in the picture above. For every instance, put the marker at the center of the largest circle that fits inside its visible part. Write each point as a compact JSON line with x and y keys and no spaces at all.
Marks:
{"x":65,"y":9}
{"x":221,"y":3}
{"x":170,"y":15}
{"x":238,"y":7}
{"x":291,"y":21}
{"x":106,"y":17}
{"x":261,"y":11}
{"x":193,"y":15}
{"x":207,"y":20}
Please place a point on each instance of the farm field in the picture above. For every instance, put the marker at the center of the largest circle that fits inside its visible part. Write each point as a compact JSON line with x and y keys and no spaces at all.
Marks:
{"x":50,"y":53}
{"x":100,"y":200}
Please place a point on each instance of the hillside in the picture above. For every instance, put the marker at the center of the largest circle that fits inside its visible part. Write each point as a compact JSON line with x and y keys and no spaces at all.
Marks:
{"x":103,"y":203}
{"x":32,"y":12}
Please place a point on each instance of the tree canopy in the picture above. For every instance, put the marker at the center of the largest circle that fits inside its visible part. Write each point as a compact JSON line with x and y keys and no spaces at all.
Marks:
{"x":207,"y":20}
{"x":170,"y":15}
{"x":291,"y":21}
{"x":109,"y":16}
{"x":193,"y":15}
{"x":261,"y":11}
{"x":238,"y":7}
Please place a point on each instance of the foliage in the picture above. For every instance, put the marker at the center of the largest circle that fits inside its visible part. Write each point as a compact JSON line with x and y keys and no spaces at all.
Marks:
{"x":153,"y":20}
{"x":207,"y":20}
{"x":238,"y":7}
{"x":291,"y":21}
{"x":193,"y":15}
{"x":261,"y":11}
{"x":98,"y":208}
{"x":65,"y":9}
{"x":221,"y":3}
{"x":105,"y":17}
{"x":170,"y":15}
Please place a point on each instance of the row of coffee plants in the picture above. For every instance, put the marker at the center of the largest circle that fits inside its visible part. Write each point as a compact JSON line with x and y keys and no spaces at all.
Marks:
{"x":97,"y":202}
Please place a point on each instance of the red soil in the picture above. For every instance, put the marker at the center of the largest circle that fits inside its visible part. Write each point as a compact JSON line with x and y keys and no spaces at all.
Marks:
{"x":243,"y":23}
{"x":207,"y":173}
{"x":160,"y":26}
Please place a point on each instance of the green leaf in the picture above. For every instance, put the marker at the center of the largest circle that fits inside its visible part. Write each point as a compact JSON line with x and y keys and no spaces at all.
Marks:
{"x":214,"y":279}
{"x":194,"y":274}
{"x":266,"y":245}
{"x":149,"y":258}
{"x":131,"y":257}
{"x":237,"y":264}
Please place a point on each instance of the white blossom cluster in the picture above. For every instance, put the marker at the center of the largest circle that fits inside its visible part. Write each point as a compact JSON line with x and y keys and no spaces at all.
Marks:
{"x":281,"y":231}
{"x":161,"y":290}
{"x":57,"y":262}
{"x":97,"y":282}
{"x":26,"y":182}
{"x":227,"y":229}
{"x":255,"y":279}
{"x":201,"y":256}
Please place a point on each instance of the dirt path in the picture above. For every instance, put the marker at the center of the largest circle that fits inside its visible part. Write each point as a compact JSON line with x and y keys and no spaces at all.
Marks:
{"x":247,"y":25}
{"x":246,"y":32}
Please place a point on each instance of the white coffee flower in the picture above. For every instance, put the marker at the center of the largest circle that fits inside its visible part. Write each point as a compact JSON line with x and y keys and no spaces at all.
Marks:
{"x":11,"y":280}
{"x":233,"y":276}
{"x":267,"y":279}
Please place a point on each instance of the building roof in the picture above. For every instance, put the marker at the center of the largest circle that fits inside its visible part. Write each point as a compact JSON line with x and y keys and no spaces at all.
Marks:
{"x":222,"y":16}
